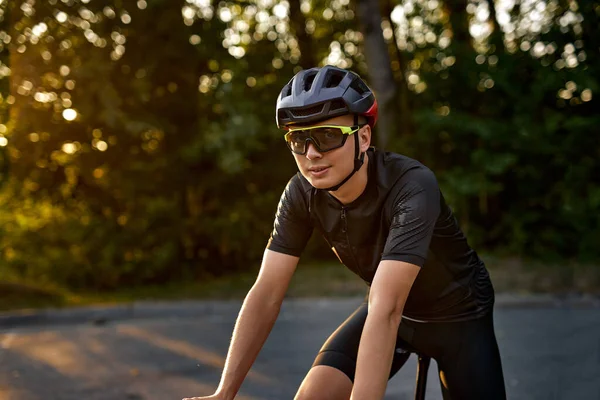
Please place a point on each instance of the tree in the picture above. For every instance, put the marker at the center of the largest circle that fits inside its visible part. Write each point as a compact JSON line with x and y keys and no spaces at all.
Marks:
{"x":380,"y":73}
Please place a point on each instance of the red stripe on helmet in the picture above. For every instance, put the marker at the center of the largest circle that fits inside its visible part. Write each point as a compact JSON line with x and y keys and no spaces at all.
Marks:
{"x":371,"y":114}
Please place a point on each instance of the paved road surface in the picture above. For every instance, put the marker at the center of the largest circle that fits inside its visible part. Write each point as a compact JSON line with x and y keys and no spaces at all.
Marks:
{"x":549,"y":353}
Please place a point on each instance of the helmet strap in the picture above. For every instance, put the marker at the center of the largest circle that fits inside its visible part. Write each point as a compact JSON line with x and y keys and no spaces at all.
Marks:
{"x":359,"y":159}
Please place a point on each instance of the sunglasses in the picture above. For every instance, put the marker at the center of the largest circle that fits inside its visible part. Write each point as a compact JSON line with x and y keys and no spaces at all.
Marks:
{"x":324,"y":137}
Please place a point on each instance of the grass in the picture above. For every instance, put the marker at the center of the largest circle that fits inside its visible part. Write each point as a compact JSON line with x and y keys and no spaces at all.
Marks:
{"x":310,"y":280}
{"x":531,"y":276}
{"x":26,"y":295}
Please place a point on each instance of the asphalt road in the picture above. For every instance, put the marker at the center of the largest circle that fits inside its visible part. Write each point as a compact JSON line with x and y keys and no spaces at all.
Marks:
{"x":549,"y":351}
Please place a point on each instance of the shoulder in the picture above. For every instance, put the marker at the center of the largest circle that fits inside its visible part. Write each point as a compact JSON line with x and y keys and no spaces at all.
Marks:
{"x":296,"y":194}
{"x":396,"y":170}
{"x":422,"y":177}
{"x":298,"y":187}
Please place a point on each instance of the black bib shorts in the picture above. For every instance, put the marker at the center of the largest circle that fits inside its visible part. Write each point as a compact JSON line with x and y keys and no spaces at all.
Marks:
{"x":466,"y":353}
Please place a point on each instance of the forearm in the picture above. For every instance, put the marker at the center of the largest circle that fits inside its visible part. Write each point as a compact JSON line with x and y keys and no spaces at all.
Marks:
{"x":375,"y":355}
{"x":253,"y":325}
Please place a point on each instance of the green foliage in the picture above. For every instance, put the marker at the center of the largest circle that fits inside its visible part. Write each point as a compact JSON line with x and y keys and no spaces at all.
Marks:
{"x":69,"y":245}
{"x":173,"y":166}
{"x":512,"y":139}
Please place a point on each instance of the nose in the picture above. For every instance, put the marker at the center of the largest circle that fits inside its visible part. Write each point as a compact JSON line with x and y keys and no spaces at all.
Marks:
{"x":311,"y":151}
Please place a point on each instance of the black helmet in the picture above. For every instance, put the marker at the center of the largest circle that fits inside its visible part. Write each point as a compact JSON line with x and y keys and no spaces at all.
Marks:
{"x":317,"y":94}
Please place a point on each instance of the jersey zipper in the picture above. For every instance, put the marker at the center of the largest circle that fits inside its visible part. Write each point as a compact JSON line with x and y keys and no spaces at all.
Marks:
{"x":345,"y":230}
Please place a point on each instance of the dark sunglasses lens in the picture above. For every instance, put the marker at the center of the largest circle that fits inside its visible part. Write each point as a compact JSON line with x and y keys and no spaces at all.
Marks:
{"x":325,"y":139}
{"x":297,"y":141}
{"x":328,"y":138}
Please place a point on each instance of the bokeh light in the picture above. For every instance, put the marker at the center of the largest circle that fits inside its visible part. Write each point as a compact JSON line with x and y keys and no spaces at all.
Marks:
{"x":69,"y":148}
{"x":101,"y":145}
{"x":69,"y":114}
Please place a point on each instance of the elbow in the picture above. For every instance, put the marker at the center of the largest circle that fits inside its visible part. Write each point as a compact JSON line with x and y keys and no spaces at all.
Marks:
{"x":266,"y":299}
{"x":390,"y":312}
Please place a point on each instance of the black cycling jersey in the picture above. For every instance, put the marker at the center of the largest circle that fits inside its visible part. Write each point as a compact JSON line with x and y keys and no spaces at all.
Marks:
{"x":401,"y":215}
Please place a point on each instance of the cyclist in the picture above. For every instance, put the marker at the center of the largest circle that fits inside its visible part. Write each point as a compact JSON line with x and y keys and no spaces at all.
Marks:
{"x":385,"y":218}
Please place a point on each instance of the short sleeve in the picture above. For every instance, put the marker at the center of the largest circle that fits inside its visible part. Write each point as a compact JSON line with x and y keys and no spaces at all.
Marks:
{"x":415,"y":210}
{"x":292,"y":227}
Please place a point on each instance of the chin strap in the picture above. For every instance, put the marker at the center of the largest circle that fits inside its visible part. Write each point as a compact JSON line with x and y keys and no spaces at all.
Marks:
{"x":359,"y":158}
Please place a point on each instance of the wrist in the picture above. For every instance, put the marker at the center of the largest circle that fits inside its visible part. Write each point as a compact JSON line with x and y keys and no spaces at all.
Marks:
{"x":225,"y":394}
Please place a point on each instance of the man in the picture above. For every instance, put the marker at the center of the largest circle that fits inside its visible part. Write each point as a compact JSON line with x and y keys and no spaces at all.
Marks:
{"x":385,"y":219}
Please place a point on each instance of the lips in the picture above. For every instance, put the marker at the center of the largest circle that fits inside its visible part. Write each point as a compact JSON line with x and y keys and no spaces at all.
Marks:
{"x":317,"y":172}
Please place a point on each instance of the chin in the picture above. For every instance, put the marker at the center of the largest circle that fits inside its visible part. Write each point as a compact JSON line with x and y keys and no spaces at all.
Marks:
{"x":323,"y":184}
{"x":318,"y":183}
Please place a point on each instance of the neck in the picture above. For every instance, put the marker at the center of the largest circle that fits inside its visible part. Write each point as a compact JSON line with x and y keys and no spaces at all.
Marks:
{"x":355,"y":186}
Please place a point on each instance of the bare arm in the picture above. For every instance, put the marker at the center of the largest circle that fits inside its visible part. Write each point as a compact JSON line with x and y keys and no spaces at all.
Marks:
{"x":256,"y":319}
{"x":387,"y":297}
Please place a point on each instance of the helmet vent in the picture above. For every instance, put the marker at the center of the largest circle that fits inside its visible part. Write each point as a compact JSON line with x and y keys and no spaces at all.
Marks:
{"x":287,"y":91}
{"x":333,"y":78}
{"x":359,"y":87}
{"x":303,"y":112}
{"x":308,"y":81}
{"x":282,"y":115}
{"x":337,"y":105}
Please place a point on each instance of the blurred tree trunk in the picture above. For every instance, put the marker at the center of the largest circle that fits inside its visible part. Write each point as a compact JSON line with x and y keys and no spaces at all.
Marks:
{"x":591,"y":39}
{"x":497,"y":36}
{"x":381,"y":77}
{"x":459,"y":19}
{"x":20,"y":67}
{"x":5,"y":26}
{"x":298,"y":25}
{"x":465,"y":72}
{"x":176,"y":73}
{"x":405,"y":116}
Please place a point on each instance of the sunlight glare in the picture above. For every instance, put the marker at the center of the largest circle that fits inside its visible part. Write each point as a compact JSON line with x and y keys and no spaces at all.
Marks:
{"x":39,"y":29}
{"x":101,"y":145}
{"x":280,"y":10}
{"x":61,"y":17}
{"x":69,"y":148}
{"x":69,"y":114}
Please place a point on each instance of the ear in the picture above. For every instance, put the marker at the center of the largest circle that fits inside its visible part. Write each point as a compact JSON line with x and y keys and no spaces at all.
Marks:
{"x":364,"y":136}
